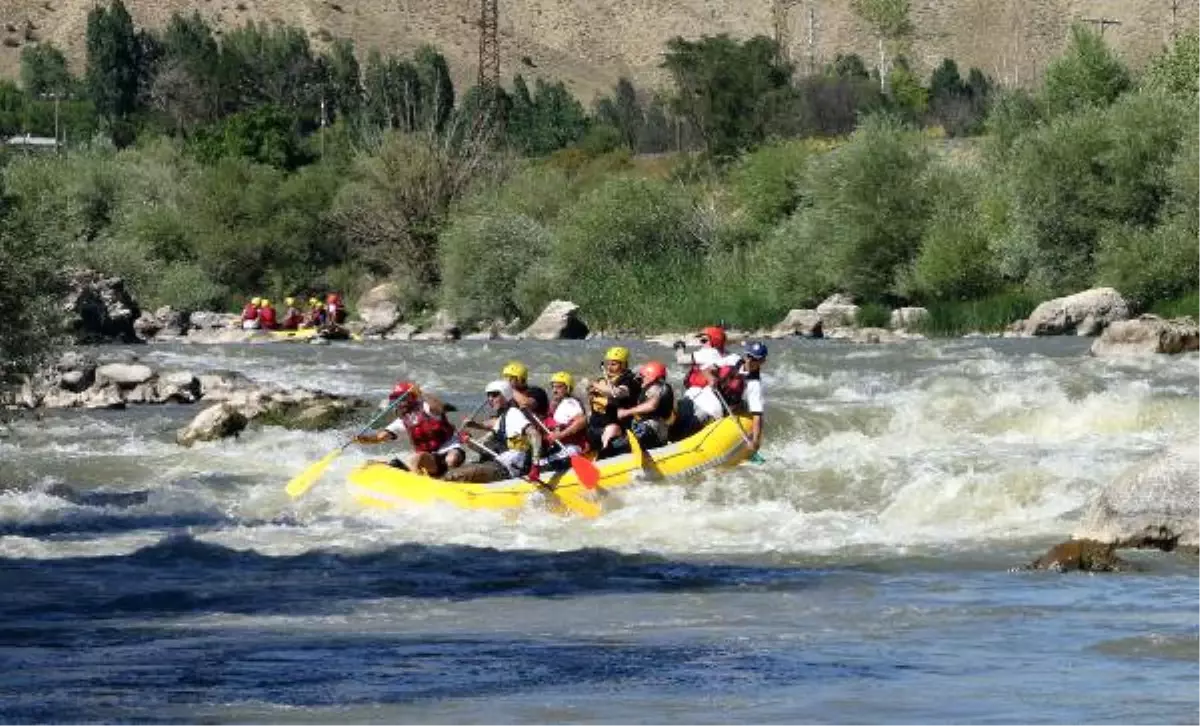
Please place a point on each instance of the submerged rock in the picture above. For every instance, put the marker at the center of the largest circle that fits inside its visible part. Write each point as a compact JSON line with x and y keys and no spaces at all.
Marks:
{"x":1081,"y":554}
{"x":215,"y":422}
{"x":838,"y":311}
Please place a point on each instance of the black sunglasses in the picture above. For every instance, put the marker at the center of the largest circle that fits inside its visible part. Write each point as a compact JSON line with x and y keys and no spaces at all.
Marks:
{"x":703,"y":339}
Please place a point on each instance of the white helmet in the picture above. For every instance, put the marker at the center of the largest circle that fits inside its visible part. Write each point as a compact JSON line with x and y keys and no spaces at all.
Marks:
{"x":504,"y":388}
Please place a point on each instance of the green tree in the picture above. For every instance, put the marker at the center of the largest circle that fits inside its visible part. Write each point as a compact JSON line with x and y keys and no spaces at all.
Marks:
{"x":723,"y":87}
{"x":1174,"y":70}
{"x":437,"y":88}
{"x":623,"y":111}
{"x":1088,"y":73}
{"x":344,"y":88}
{"x":114,"y":58}
{"x":187,"y":83}
{"x":44,"y":71}
{"x":889,"y":19}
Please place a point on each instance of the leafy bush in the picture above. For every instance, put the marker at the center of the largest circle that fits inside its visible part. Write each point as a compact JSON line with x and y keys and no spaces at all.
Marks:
{"x":1088,"y":74}
{"x":484,"y":258}
{"x":1174,"y":70}
{"x":765,"y":183}
{"x":990,"y":314}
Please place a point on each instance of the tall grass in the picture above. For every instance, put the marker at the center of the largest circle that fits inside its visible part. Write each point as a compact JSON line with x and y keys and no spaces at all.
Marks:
{"x":987,"y":315}
{"x":1187,"y":305}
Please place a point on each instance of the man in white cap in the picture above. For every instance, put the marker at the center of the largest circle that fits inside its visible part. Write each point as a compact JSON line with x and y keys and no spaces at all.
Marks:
{"x":516,"y":441}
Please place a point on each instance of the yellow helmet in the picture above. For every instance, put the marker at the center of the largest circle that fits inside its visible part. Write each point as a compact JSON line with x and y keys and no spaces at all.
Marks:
{"x":564,"y":378}
{"x":289,"y":301}
{"x":256,"y":301}
{"x":266,"y":303}
{"x":313,"y":301}
{"x":617,"y":353}
{"x":515,"y":369}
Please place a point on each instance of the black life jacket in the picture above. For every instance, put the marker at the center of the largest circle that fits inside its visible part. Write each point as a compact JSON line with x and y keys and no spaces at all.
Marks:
{"x":665,"y":410}
{"x":606,"y":406}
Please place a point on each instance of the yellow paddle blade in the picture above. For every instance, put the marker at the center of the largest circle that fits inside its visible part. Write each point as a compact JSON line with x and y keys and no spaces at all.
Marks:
{"x":578,"y":503}
{"x":305,"y":479}
{"x":635,"y":448}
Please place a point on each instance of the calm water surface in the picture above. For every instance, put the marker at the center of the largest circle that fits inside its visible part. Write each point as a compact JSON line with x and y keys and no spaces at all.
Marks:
{"x":859,"y":576}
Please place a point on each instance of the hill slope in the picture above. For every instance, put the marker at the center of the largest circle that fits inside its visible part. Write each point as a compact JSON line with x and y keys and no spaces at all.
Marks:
{"x":590,"y":43}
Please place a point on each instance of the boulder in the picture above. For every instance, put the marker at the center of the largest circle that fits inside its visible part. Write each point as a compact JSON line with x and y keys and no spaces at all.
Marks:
{"x":166,"y":322}
{"x":837,"y":311}
{"x":805,"y":323}
{"x":1155,"y":503}
{"x":380,"y":309}
{"x":1147,"y":335}
{"x":215,"y":336}
{"x":443,"y":328}
{"x":124,"y":375}
{"x":907,"y":318}
{"x":100,"y":309}
{"x":179,"y":387}
{"x":215,"y":422}
{"x":558,"y":321}
{"x":106,"y":397}
{"x":404,"y":331}
{"x":873,"y":336}
{"x":220,"y":385}
{"x":76,"y":370}
{"x":1084,"y":313}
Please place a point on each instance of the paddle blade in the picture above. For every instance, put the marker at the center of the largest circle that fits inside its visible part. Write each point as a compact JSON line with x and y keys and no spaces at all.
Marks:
{"x":577,"y":502}
{"x":585,"y":470}
{"x":305,"y":479}
{"x":757,"y":459}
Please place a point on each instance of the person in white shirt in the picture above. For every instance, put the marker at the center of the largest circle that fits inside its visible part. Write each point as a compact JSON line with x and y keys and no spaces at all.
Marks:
{"x":708,"y":366}
{"x":567,"y":423}
{"x":515,"y":440}
{"x":753,"y":400}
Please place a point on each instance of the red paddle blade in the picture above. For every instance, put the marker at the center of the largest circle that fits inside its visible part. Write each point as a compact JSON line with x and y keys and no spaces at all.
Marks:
{"x":587,"y":472}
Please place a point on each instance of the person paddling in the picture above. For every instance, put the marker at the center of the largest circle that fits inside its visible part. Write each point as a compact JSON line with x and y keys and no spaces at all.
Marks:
{"x":565,"y":422}
{"x":422,"y":416}
{"x":514,"y":438}
{"x":530,"y":398}
{"x":618,"y":389}
{"x":655,"y":411}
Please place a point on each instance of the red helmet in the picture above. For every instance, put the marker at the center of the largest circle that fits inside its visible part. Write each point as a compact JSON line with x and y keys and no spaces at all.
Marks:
{"x":652,"y":371}
{"x":404,"y":388}
{"x":716,"y":336}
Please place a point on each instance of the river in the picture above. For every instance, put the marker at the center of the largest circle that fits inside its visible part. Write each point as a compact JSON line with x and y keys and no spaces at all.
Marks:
{"x":860,"y":575}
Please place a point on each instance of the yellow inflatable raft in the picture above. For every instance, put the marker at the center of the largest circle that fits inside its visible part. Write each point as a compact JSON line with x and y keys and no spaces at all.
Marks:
{"x":720,"y":444}
{"x":307,"y":334}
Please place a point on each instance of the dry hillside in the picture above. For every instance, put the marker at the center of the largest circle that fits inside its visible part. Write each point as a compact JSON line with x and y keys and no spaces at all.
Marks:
{"x":589,"y":43}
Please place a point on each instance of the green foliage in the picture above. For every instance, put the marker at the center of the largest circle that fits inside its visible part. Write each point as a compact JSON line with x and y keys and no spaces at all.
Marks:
{"x":867,"y":214}
{"x":487,"y":261}
{"x":114,"y":61}
{"x":1081,"y":173}
{"x":990,"y":314}
{"x":1174,"y":70}
{"x":44,"y":71}
{"x":409,"y":95}
{"x":1012,"y":114}
{"x":765,"y":183}
{"x":873,"y":315}
{"x":265,"y":134}
{"x":187,"y":85}
{"x":623,"y":112}
{"x":29,"y":290}
{"x":908,"y":97}
{"x":1187,"y":305}
{"x":1087,"y":74}
{"x":549,"y":119}
{"x":955,"y":262}
{"x":888,"y":18}
{"x":723,"y":87}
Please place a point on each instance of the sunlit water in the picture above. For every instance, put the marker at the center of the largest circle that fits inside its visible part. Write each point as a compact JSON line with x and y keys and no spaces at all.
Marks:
{"x":860,"y":575}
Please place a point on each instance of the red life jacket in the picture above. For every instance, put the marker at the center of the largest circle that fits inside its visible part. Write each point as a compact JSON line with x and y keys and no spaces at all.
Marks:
{"x":579,"y":438}
{"x":266,"y":317}
{"x":695,"y":378}
{"x":292,"y":320}
{"x":428,"y":432}
{"x":335,"y":313}
{"x":731,"y":385}
{"x":250,"y":312}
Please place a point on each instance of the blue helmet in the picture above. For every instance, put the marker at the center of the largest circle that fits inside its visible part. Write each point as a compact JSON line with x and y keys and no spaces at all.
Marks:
{"x":756,"y":350}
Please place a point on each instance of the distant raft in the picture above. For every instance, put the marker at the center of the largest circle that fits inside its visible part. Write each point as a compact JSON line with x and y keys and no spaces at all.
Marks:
{"x":720,"y":444}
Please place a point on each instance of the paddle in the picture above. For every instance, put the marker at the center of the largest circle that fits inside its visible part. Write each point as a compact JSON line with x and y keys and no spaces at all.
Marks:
{"x":584,"y":469}
{"x":573,"y":501}
{"x":639,"y":455}
{"x":754,"y":456}
{"x":304,"y":481}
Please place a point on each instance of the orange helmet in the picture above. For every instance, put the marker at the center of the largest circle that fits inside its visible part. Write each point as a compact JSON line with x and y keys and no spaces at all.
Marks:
{"x":651,"y":372}
{"x":716,"y":336}
{"x":404,"y":388}
{"x":333,"y":298}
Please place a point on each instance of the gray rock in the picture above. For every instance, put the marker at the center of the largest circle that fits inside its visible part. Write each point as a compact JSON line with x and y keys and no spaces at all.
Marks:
{"x":76,"y":381}
{"x":205,"y":320}
{"x":215,"y":336}
{"x":220,"y":385}
{"x":179,"y":387}
{"x":1084,"y":313}
{"x":166,"y":322}
{"x":558,"y":321}
{"x":380,"y":308}
{"x":215,"y":422}
{"x":838,"y":311}
{"x":805,"y":323}
{"x":1147,"y":335}
{"x":1155,"y":503}
{"x":100,"y":309}
{"x":124,"y":375}
{"x":108,"y":397}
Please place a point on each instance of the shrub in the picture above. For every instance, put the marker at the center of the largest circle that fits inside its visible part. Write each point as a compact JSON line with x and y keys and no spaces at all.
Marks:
{"x":765,"y":184}
{"x":483,"y":258}
{"x":1088,"y":74}
{"x":993,"y":313}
